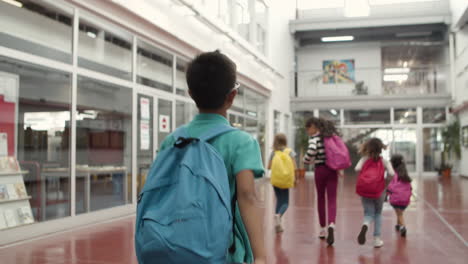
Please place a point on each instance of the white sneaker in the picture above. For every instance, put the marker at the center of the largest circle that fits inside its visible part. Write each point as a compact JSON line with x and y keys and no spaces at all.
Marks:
{"x":323,"y":233}
{"x":278,"y":225}
{"x":378,"y":242}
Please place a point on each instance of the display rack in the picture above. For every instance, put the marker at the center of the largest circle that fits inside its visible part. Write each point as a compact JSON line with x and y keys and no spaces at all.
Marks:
{"x":15,"y":209}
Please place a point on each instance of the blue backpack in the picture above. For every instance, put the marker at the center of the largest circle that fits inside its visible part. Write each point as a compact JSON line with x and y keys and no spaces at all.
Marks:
{"x":184,"y":210}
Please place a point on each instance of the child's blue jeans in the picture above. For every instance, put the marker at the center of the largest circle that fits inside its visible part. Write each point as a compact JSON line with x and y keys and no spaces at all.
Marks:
{"x":373,"y":212}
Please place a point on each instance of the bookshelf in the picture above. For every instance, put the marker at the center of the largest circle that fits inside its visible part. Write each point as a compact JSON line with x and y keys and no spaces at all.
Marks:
{"x":15,"y":209}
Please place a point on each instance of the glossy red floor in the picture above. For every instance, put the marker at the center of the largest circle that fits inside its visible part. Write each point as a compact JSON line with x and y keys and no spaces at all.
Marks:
{"x":437,"y":224}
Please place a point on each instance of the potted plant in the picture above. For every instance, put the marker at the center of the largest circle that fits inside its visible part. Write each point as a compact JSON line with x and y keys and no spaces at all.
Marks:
{"x":301,"y":142}
{"x":451,"y":147}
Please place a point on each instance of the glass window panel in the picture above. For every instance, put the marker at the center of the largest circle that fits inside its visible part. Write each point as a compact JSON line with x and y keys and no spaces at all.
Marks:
{"x":185,"y":112}
{"x":406,"y":116}
{"x":181,"y":82}
{"x":404,"y":143}
{"x":145,"y":138}
{"x":261,"y":22}
{"x":434,"y":115}
{"x":332,"y":115}
{"x":154,"y":67}
{"x":432,"y":148}
{"x":354,"y":137}
{"x":40,"y":28}
{"x":353,"y":117}
{"x":238,"y":104}
{"x":104,"y":47}
{"x":103,"y":145}
{"x":42,"y":138}
{"x":243,"y":18}
{"x":276,"y":122}
{"x":286,"y":125}
{"x":164,"y":120}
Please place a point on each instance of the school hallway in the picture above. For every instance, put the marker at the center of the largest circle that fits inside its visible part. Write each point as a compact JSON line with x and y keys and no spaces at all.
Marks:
{"x":437,"y":223}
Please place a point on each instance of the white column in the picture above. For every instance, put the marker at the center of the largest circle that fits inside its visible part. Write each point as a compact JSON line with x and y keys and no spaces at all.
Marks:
{"x":135,"y":125}
{"x":74,"y":94}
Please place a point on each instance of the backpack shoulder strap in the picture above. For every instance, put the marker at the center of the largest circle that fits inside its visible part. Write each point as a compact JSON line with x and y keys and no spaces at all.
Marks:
{"x":180,"y":132}
{"x":216,"y":131}
{"x":287,"y":151}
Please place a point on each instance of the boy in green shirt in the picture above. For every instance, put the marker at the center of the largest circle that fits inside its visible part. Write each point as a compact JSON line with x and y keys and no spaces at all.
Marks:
{"x":211,"y":78}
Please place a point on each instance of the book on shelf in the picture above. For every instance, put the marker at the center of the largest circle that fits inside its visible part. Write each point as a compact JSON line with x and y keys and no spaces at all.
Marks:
{"x":10,"y":218}
{"x":3,"y":223}
{"x":9,"y":164}
{"x":12,"y":195}
{"x":25,"y":215}
{"x":21,"y":190}
{"x":3,"y":193}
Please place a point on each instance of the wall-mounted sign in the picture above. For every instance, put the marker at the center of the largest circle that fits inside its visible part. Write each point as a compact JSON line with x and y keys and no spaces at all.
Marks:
{"x":164,"y":123}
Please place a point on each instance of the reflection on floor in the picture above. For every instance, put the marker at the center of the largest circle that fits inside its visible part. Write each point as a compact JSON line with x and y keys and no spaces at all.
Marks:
{"x":437,"y":224}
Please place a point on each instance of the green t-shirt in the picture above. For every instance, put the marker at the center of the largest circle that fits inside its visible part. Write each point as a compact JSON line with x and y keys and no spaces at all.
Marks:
{"x":240,"y":151}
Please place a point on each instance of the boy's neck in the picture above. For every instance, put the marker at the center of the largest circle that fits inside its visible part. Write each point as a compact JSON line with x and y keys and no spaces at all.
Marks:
{"x":218,"y":111}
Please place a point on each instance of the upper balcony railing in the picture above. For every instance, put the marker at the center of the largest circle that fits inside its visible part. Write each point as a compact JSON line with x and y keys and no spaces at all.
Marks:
{"x":371,"y":81}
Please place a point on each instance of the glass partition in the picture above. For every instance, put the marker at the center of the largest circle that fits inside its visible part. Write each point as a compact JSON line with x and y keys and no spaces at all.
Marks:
{"x":104,"y":47}
{"x":361,"y":117}
{"x":35,"y":104}
{"x":103,"y":145}
{"x":405,"y":116}
{"x":154,"y":67}
{"x":37,"y":27}
{"x":434,"y":115}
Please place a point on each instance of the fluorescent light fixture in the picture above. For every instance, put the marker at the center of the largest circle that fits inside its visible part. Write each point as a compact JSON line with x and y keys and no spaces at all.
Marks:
{"x":336,"y":39}
{"x":396,"y":70}
{"x":333,"y":112}
{"x":406,"y":114}
{"x":405,"y":64}
{"x":395,"y":77}
{"x":91,"y":34}
{"x":13,"y":2}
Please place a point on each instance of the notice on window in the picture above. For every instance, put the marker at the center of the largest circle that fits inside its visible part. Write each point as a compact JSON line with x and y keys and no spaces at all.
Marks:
{"x":3,"y":144}
{"x":164,"y":123}
{"x":8,"y":89}
{"x":145,"y":108}
{"x":145,"y":139}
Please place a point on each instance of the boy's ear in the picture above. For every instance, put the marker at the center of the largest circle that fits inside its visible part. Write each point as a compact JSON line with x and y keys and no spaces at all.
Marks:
{"x":230,"y":97}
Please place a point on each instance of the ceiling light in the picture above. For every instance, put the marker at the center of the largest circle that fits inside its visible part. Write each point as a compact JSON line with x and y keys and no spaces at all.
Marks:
{"x":13,"y":2}
{"x":397,"y":70}
{"x":91,"y":34}
{"x":396,"y":77}
{"x":336,"y":39}
{"x":405,"y":64}
{"x":333,"y":112}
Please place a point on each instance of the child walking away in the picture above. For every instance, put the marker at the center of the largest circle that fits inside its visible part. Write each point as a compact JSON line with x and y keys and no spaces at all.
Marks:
{"x":371,"y":185}
{"x":199,"y":202}
{"x":399,"y":190}
{"x":329,"y":154}
{"x":283,"y":167}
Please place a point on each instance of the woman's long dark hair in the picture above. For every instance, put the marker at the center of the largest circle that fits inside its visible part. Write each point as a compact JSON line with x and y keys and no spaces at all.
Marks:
{"x":398,"y":163}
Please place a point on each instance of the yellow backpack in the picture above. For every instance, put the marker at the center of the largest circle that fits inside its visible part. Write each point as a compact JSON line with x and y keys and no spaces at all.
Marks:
{"x":282,"y":169}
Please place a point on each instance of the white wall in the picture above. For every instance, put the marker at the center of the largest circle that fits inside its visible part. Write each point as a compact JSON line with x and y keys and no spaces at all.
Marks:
{"x":367,"y":58}
{"x":458,"y":8}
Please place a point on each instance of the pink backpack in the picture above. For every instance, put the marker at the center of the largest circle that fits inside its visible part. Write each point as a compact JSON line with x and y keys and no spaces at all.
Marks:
{"x":371,"y":179}
{"x":400,"y":192}
{"x":336,"y":153}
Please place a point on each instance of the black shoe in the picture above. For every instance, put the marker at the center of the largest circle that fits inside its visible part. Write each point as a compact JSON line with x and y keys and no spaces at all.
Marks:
{"x":403,"y":231}
{"x":362,"y":235}
{"x":331,"y":236}
{"x":397,"y":228}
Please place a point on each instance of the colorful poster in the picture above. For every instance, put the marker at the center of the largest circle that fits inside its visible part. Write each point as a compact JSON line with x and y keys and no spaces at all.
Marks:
{"x":338,"y":71}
